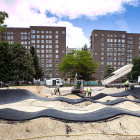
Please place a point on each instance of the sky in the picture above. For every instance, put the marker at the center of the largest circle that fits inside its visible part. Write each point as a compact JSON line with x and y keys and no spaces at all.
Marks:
{"x":80,"y":17}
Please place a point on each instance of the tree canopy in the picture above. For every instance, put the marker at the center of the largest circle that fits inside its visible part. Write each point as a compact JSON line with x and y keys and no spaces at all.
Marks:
{"x":133,"y":75}
{"x":80,"y":62}
{"x":16,"y":63}
{"x":3,"y":15}
{"x":109,"y":70}
{"x":39,"y":71}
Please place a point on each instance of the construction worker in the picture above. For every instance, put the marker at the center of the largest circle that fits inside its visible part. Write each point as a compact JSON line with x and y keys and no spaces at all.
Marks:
{"x":89,"y":92}
{"x":126,"y":84}
{"x":56,"y":90}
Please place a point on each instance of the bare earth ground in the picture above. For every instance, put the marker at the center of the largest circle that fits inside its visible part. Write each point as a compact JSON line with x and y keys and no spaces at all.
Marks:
{"x":119,"y":128}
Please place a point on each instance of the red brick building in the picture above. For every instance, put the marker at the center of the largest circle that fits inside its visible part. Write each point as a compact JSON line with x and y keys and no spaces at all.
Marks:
{"x":49,"y":43}
{"x":115,"y":48}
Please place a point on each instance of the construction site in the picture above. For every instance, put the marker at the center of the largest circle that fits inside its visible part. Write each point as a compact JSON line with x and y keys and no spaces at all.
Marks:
{"x":34,"y":112}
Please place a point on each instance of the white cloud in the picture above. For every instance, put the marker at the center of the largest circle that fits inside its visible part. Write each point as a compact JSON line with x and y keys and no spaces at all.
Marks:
{"x":21,"y":14}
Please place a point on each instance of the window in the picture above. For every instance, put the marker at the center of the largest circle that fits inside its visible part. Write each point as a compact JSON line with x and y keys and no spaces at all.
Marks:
{"x":119,"y":59}
{"x":38,"y":55}
{"x":50,"y":32}
{"x":63,"y":51}
{"x":42,"y":41}
{"x":46,"y":32}
{"x":123,"y":36}
{"x":119,"y":49}
{"x":56,"y":56}
{"x":38,"y":41}
{"x":115,"y":45}
{"x":50,"y":41}
{"x":12,"y":37}
{"x":32,"y":36}
{"x":29,"y":47}
{"x":42,"y":36}
{"x":115,"y":59}
{"x":56,"y":36}
{"x":95,"y":53}
{"x":56,"y":60}
{"x":56,"y":65}
{"x":122,"y":63}
{"x":114,"y":63}
{"x":25,"y":33}
{"x":22,"y":42}
{"x":47,"y":41}
{"x":25,"y":42}
{"x":42,"y":46}
{"x":108,"y":49}
{"x":111,"y":54}
{"x":50,"y":46}
{"x":119,"y":54}
{"x":119,"y":40}
{"x":42,"y":51}
{"x":123,"y":45}
{"x":13,"y":42}
{"x":118,"y":63}
{"x":102,"y":34}
{"x":42,"y":55}
{"x":33,"y":31}
{"x":47,"y":70}
{"x":102,"y":49}
{"x":47,"y":75}
{"x":115,"y":40}
{"x":56,"y":41}
{"x":123,"y":41}
{"x":122,"y":59}
{"x":115,"y":35}
{"x":21,"y":33}
{"x":102,"y":68}
{"x":50,"y":51}
{"x":102,"y":39}
{"x":38,"y":46}
{"x":50,"y":60}
{"x":123,"y":50}
{"x":47,"y":36}
{"x":37,"y":31}
{"x":50,"y":56}
{"x":102,"y":72}
{"x":108,"y":58}
{"x":56,"y":46}
{"x":102,"y":44}
{"x":56,"y":32}
{"x":47,"y":46}
{"x":119,"y":45}
{"x":47,"y":65}
{"x":42,"y":32}
{"x":102,"y":63}
{"x":47,"y":51}
{"x":50,"y":65}
{"x":28,"y":37}
{"x":50,"y":75}
{"x":95,"y":34}
{"x":42,"y":65}
{"x":102,"y":54}
{"x":123,"y":54}
{"x":102,"y":58}
{"x":42,"y":60}
{"x":115,"y":54}
{"x":47,"y":56}
{"x":4,"y":37}
{"x":8,"y":37}
{"x":28,"y":42}
{"x":50,"y":36}
{"x":38,"y":51}
{"x":56,"y":51}
{"x":115,"y":49}
{"x":56,"y":75}
{"x":130,"y":51}
{"x":119,"y":35}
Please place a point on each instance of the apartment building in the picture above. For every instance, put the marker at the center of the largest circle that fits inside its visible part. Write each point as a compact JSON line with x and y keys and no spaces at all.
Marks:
{"x":49,"y":43}
{"x":115,"y":48}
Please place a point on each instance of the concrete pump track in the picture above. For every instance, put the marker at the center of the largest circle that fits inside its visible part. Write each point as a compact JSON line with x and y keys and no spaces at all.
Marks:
{"x":8,"y":96}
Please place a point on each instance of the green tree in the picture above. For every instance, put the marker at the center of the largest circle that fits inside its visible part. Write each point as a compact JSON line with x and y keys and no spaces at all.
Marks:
{"x":133,"y":75}
{"x":109,"y":70}
{"x":39,"y":71}
{"x":5,"y":64}
{"x":22,"y":63}
{"x":80,"y":62}
{"x":3,"y":15}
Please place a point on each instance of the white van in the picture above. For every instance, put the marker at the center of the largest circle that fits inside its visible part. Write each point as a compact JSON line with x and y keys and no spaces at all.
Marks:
{"x":53,"y":83}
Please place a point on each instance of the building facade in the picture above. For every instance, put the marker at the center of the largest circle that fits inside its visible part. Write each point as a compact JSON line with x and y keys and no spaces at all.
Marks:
{"x":115,"y":48}
{"x":49,"y":43}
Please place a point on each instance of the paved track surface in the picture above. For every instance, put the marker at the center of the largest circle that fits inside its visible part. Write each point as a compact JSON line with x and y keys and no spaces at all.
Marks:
{"x":16,"y":95}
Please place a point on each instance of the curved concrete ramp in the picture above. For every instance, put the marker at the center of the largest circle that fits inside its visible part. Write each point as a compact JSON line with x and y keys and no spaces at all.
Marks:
{"x":102,"y":114}
{"x":16,"y":95}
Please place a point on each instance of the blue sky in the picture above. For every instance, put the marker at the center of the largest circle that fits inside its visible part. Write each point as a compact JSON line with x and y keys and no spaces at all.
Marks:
{"x":79,"y":17}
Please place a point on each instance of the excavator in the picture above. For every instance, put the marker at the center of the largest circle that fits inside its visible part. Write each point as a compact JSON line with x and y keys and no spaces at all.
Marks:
{"x":117,"y":74}
{"x":78,"y":85}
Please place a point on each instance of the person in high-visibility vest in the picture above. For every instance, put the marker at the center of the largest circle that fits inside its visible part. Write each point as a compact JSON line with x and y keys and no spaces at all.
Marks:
{"x":56,"y":90}
{"x":89,"y":92}
{"x":126,"y":85}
